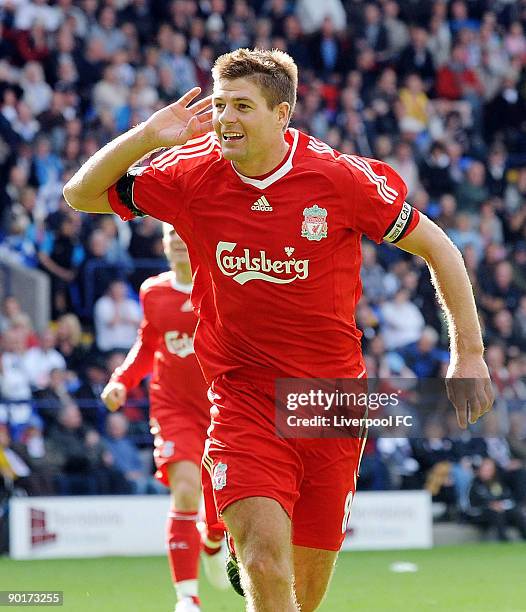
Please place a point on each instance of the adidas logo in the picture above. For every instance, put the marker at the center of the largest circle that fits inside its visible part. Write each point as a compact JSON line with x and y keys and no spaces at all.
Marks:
{"x":261,"y":204}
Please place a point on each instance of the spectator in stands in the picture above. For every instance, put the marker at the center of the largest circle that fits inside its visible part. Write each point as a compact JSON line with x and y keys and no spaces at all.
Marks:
{"x":37,"y":93}
{"x":463,"y":234}
{"x":436,"y":455}
{"x":372,"y":275}
{"x":327,"y":53}
{"x":312,"y":14}
{"x":502,"y":327}
{"x":499,"y":290}
{"x":95,"y":273}
{"x":472,"y":191}
{"x":53,"y":396}
{"x":397,"y":455}
{"x":117,"y":254}
{"x":14,"y":471}
{"x":61,"y":255}
{"x":81,"y":465}
{"x":512,"y":470}
{"x":15,"y":379}
{"x":108,"y":32}
{"x":66,"y":450}
{"x":434,"y":173}
{"x":69,"y":342}
{"x":424,"y":357}
{"x":403,"y":161}
{"x":110,"y":94}
{"x":41,"y":360}
{"x":439,"y":41}
{"x":414,"y":107}
{"x":93,"y":380}
{"x":126,"y":456}
{"x":146,"y":243}
{"x":490,"y":224}
{"x":520,"y":317}
{"x":383,"y":104}
{"x":116,"y":318}
{"x":10,"y":310}
{"x":492,"y":504}
{"x":515,"y":192}
{"x":402,"y":322}
{"x":416,"y":58}
{"x":516,"y":437}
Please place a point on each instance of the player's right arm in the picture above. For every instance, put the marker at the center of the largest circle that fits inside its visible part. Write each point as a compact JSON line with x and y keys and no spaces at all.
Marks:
{"x":137,"y":364}
{"x":87,"y":190}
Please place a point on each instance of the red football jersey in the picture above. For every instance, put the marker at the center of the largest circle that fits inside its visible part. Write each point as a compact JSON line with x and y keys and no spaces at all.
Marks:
{"x":165,"y":347}
{"x":276,"y":258}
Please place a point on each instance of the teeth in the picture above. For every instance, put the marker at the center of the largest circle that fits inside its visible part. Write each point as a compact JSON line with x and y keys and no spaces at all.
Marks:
{"x":232,"y":135}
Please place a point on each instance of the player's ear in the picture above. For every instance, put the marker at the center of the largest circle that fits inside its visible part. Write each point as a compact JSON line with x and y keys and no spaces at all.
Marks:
{"x":283,"y":113}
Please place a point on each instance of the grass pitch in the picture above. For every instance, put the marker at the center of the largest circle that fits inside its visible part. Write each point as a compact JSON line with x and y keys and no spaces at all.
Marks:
{"x":469,"y":578}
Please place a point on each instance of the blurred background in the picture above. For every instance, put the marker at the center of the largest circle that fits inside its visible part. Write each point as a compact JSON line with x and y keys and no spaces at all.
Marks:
{"x":436,"y":89}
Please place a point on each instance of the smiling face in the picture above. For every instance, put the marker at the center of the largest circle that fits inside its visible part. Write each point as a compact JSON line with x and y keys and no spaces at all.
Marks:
{"x":249,"y":131}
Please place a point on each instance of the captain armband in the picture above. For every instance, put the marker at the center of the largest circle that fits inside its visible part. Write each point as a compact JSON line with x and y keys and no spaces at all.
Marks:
{"x":398,"y":228}
{"x":124,"y":189}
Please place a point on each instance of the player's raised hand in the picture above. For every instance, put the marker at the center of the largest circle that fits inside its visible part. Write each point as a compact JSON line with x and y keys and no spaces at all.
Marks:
{"x":469,"y":389}
{"x":113,"y":395}
{"x":181,"y":121}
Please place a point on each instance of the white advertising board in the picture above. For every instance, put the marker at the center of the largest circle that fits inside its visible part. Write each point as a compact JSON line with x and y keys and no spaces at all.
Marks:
{"x":383,"y":520}
{"x":62,"y":527}
{"x":51,"y":527}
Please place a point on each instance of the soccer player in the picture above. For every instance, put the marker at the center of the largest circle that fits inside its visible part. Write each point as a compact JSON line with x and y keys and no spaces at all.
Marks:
{"x":179,"y":416}
{"x":273,"y":219}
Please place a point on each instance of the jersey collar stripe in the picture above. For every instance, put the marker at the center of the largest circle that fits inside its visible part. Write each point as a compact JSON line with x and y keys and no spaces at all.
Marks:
{"x":280,"y":173}
{"x":327,"y":151}
{"x":319,"y":145}
{"x":173,"y":154}
{"x":382,"y":179}
{"x":322,"y":146}
{"x":185,"y":155}
{"x":373,"y":178}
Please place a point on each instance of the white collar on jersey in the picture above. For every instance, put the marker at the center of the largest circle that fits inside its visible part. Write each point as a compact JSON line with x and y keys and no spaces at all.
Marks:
{"x":280,"y":172}
{"x":183,"y":288}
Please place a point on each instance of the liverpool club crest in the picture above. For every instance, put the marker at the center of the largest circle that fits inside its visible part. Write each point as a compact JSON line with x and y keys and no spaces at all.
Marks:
{"x":314,"y":226}
{"x":219,"y":480}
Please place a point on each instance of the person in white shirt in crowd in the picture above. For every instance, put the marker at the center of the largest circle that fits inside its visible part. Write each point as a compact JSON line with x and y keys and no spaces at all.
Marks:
{"x":401,"y":321}
{"x":41,"y":360}
{"x":117,"y":319}
{"x":15,"y":380}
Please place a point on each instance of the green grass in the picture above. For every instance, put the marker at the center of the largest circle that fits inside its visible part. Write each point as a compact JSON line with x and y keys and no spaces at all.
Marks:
{"x":474,"y":578}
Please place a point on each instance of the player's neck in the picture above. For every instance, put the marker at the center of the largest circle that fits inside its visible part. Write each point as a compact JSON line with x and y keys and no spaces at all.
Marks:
{"x":269,"y":160}
{"x":183,"y":273}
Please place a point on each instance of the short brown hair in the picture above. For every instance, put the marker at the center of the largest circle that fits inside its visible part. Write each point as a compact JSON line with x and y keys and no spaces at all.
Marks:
{"x":274,"y":71}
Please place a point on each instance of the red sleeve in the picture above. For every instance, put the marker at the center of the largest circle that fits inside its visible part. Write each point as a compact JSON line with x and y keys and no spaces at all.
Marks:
{"x":151,"y":190}
{"x":139,"y":360}
{"x":378,"y":208}
{"x":158,"y":188}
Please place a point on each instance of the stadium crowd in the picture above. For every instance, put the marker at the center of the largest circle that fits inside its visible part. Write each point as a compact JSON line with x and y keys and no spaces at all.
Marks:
{"x":436,"y":89}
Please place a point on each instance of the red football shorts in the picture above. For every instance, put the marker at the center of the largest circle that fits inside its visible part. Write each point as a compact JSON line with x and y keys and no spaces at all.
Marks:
{"x":179,"y":433}
{"x":314,"y":480}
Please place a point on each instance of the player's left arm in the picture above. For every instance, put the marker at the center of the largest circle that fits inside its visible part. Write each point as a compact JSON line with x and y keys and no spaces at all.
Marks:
{"x":468,"y":382}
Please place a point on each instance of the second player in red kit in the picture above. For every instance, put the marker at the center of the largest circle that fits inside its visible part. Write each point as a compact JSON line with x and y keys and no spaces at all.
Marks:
{"x":179,"y":415}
